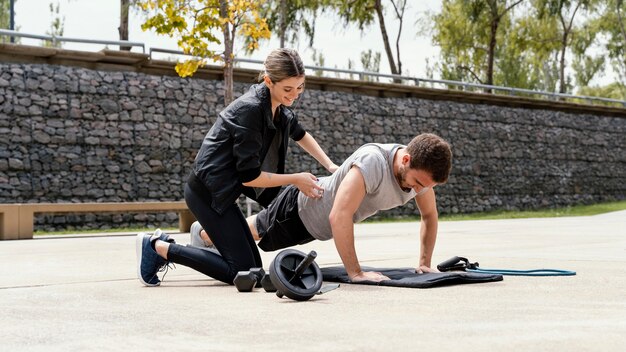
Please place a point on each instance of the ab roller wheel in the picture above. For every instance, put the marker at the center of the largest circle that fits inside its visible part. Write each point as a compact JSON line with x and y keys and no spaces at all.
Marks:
{"x":292,"y":274}
{"x":296,"y":275}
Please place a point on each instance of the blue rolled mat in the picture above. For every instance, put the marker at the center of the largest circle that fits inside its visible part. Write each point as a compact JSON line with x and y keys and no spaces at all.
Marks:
{"x":407,"y":277}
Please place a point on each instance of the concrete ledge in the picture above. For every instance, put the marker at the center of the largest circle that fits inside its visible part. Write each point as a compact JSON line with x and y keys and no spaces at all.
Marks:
{"x":112,"y":60}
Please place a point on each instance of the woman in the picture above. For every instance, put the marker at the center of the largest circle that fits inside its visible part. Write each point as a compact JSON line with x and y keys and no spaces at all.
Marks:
{"x":244,"y":152}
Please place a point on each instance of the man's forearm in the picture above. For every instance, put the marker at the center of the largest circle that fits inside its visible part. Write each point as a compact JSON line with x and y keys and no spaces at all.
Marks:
{"x":343,"y":235}
{"x":428,"y":237}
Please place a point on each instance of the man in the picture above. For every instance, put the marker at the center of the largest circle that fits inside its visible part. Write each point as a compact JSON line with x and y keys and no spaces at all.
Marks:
{"x":375,"y":177}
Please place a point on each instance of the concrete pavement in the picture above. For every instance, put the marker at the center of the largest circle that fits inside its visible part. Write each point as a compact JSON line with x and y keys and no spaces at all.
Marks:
{"x":82,"y":294}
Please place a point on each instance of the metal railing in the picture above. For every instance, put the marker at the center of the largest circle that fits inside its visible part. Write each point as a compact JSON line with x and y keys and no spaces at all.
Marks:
{"x":363,"y":75}
{"x":423,"y":81}
{"x":55,"y":39}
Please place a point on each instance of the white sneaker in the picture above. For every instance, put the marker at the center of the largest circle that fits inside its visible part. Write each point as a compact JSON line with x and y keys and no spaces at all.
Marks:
{"x":196,"y":240}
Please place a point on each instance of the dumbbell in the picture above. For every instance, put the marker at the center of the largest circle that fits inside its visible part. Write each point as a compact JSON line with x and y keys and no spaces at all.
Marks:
{"x":267,"y":284}
{"x":245,"y":281}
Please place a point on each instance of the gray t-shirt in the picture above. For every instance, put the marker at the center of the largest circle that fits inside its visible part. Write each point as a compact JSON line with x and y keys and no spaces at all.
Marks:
{"x":382,"y":191}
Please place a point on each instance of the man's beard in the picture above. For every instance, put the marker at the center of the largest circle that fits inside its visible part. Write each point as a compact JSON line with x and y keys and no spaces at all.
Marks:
{"x":401,"y":176}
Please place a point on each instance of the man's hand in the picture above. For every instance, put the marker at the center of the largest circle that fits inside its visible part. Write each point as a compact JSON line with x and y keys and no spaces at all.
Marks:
{"x":426,"y":269}
{"x":368,"y":276}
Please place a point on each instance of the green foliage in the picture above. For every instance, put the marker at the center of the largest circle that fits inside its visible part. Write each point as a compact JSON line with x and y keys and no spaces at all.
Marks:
{"x":350,"y":67}
{"x":57,"y":26}
{"x":5,"y":20}
{"x":5,"y":14}
{"x":574,"y":35}
{"x":534,"y":37}
{"x":286,"y":18}
{"x":539,"y":44}
{"x":364,"y":12}
{"x":586,"y":68}
{"x":470,"y":35}
{"x":360,"y":12}
{"x":612,"y":91}
{"x":371,"y":63}
{"x":612,"y":23}
{"x":319,"y":61}
{"x":577,"y":210}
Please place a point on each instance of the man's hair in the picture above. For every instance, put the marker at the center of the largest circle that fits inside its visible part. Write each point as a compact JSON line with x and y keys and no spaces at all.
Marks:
{"x":432,"y":154}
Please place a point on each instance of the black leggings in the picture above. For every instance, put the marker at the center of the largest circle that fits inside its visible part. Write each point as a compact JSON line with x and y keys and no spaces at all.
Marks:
{"x":230,"y":234}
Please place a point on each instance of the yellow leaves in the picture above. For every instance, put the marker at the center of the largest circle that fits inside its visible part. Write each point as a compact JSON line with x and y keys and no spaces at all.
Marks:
{"x":147,"y":5}
{"x":255,"y":31}
{"x":197,"y":24}
{"x":188,"y":67}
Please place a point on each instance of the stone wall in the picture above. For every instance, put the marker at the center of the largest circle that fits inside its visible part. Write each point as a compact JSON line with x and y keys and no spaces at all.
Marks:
{"x":76,"y":135}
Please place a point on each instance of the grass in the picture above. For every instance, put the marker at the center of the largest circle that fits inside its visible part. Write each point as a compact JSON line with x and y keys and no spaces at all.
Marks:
{"x":578,"y":210}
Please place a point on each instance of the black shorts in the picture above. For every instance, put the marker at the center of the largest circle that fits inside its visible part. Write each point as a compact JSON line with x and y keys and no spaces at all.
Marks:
{"x":279,"y":226}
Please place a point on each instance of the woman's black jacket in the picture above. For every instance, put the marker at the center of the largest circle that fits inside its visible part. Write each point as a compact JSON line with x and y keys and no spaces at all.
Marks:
{"x":233,"y":151}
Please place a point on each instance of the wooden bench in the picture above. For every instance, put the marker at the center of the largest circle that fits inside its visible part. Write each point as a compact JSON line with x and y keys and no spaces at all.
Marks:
{"x":17,"y":220}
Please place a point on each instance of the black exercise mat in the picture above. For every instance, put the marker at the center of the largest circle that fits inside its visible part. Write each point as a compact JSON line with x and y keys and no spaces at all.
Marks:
{"x":407,"y":277}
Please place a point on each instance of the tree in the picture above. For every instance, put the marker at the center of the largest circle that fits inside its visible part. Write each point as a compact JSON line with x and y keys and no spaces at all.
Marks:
{"x":371,"y":63}
{"x":612,"y":91}
{"x":193,"y":23}
{"x":362,"y":13}
{"x":286,"y":18}
{"x":57,"y":26}
{"x":123,"y":28}
{"x":5,"y":13}
{"x":318,"y":60}
{"x":572,"y":35}
{"x":612,"y":23}
{"x":5,"y":19}
{"x":529,"y":51}
{"x":468,"y":32}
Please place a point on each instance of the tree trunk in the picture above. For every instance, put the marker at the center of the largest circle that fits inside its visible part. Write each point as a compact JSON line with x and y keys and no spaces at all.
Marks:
{"x":381,"y":20}
{"x":567,"y":30}
{"x":495,"y":23}
{"x":400,"y":15}
{"x":562,"y":64}
{"x":492,"y":52}
{"x":283,"y":22}
{"x":123,"y":28}
{"x":228,"y":54}
{"x":623,"y":31}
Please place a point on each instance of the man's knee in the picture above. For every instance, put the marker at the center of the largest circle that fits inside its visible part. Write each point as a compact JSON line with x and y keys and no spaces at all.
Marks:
{"x":252,"y":225}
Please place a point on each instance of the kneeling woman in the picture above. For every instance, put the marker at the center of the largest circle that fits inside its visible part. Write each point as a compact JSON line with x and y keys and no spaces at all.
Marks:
{"x":243,"y":153}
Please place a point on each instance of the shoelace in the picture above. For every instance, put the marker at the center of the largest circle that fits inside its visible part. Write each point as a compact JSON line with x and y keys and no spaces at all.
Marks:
{"x":165,"y":268}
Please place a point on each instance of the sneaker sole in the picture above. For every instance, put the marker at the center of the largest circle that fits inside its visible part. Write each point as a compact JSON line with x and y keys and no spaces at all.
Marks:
{"x":139,"y":250}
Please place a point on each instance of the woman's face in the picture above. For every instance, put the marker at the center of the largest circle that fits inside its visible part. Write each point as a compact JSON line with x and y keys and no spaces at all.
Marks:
{"x":286,"y":91}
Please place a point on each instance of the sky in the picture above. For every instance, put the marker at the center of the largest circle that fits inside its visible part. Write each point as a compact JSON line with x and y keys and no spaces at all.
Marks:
{"x":99,"y":19}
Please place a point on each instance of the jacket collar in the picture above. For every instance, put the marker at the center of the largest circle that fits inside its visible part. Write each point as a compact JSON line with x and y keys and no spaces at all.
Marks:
{"x":263,"y":93}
